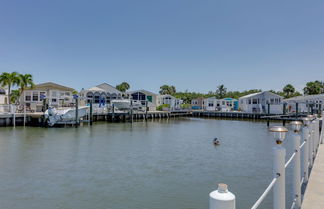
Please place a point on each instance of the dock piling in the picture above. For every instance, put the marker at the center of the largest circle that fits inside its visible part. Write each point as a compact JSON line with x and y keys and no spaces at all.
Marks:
{"x":24,"y":114}
{"x":91,"y":113}
{"x":296,"y":126}
{"x":76,"y":110}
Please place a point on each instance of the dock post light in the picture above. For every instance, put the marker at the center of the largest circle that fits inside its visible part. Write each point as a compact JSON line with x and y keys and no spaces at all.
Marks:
{"x":279,"y":154}
{"x":296,"y":126}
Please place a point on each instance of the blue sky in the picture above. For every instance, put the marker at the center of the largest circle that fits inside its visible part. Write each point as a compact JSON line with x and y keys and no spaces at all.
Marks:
{"x":194,"y":45}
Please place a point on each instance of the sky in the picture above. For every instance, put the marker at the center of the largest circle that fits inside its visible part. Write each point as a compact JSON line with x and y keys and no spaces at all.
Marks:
{"x":194,"y":45}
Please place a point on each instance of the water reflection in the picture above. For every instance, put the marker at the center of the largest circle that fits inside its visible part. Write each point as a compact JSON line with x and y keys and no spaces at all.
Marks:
{"x":160,"y":164}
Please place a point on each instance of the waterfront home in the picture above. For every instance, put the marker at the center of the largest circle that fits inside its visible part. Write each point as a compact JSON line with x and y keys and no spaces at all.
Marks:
{"x":198,"y":103}
{"x":102,"y":93}
{"x":305,"y":103}
{"x":224,"y":105}
{"x":142,"y":97}
{"x":258,"y":103}
{"x":3,"y":95}
{"x":57,"y":96}
{"x":175,"y":104}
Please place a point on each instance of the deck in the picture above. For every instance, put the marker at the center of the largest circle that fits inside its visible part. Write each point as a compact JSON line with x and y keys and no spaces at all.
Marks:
{"x":314,"y":194}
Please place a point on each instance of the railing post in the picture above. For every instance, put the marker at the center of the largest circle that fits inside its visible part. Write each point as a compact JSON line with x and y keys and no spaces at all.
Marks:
{"x":306,"y":149}
{"x":310,"y":127}
{"x":313,"y":140}
{"x":221,"y":198}
{"x":296,"y":126}
{"x":279,"y":152}
{"x":24,"y":114}
{"x":317,"y":133}
{"x":279,"y":197}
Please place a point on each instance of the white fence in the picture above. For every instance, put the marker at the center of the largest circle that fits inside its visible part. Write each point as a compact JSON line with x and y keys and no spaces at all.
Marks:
{"x":305,"y":136}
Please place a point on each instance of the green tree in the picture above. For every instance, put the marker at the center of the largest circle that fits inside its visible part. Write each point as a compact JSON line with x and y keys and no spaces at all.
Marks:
{"x":288,"y":91}
{"x":314,"y":87}
{"x":9,"y":80}
{"x":221,"y":92}
{"x":124,"y":86}
{"x":14,"y":96}
{"x":166,"y":89}
{"x":25,"y":81}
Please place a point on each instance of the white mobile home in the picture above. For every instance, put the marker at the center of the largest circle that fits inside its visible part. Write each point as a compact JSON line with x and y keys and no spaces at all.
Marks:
{"x":305,"y":103}
{"x":56,"y":95}
{"x":224,"y":105}
{"x":102,"y":93}
{"x":258,"y":103}
{"x":170,"y":100}
{"x":3,"y":95}
{"x":198,"y":103}
{"x":142,"y":97}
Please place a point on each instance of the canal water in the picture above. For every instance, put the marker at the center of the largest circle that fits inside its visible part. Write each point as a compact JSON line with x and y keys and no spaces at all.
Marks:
{"x":160,"y":164}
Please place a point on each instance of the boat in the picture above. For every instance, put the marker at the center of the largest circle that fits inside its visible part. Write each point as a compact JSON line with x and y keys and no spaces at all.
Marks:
{"x":63,"y":115}
{"x":126,"y":104}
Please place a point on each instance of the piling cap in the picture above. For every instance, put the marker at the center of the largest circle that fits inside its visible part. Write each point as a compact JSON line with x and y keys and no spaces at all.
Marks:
{"x":296,"y":125}
{"x":279,"y":133}
{"x":222,"y":188}
{"x":278,"y":129}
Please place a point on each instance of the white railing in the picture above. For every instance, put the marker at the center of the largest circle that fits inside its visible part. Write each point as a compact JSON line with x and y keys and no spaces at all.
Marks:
{"x":311,"y":137}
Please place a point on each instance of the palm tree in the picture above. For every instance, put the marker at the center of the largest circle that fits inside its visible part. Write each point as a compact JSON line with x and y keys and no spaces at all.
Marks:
{"x":9,"y":79}
{"x":124,"y":86}
{"x":14,"y":96}
{"x":221,"y":91}
{"x":166,"y":89}
{"x":289,"y":90}
{"x":313,"y":87}
{"x":25,"y":81}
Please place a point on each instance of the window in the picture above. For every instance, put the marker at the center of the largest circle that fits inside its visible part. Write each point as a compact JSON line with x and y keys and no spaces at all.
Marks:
{"x":67,"y":93}
{"x":42,"y":95}
{"x":250,"y":101}
{"x":35,"y":96}
{"x":210,"y":104}
{"x":54,"y":100}
{"x":54,"y":93}
{"x":255,"y":101}
{"x":150,"y":98}
{"x":27,"y":96}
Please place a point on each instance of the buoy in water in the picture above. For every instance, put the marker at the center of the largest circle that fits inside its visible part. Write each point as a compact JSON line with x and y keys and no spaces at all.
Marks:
{"x":216,"y":141}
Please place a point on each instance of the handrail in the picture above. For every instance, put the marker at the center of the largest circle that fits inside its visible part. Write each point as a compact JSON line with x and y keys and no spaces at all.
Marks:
{"x":312,"y":139}
{"x":302,"y":181}
{"x":293,"y":203}
{"x":267,"y":190}
{"x":290,"y":159}
{"x":301,"y":146}
{"x":261,"y":198}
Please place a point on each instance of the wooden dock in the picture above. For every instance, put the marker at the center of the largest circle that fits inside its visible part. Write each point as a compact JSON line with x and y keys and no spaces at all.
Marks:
{"x":313,"y":198}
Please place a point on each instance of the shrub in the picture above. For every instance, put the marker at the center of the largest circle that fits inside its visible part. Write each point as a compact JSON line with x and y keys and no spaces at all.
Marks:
{"x":160,"y":108}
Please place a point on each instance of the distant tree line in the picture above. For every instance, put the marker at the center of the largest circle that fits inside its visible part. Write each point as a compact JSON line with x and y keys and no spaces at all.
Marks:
{"x":288,"y":91}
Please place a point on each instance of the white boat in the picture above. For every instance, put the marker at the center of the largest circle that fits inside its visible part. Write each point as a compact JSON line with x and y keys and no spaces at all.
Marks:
{"x":125,"y":104}
{"x":121,"y":104}
{"x":54,"y":116}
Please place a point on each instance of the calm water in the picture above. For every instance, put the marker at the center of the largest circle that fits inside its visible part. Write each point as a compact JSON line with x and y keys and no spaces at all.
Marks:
{"x":167,"y":164}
